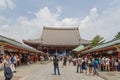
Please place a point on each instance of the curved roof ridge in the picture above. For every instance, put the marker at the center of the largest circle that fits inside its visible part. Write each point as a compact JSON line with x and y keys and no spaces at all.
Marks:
{"x":61,"y":28}
{"x":10,"y":39}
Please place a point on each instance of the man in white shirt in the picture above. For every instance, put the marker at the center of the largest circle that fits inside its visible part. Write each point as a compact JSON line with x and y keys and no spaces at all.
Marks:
{"x":79,"y":65}
{"x":103,"y":64}
{"x":107,"y":61}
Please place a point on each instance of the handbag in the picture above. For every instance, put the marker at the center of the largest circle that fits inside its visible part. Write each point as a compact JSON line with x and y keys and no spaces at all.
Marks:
{"x":8,"y":72}
{"x":12,"y":67}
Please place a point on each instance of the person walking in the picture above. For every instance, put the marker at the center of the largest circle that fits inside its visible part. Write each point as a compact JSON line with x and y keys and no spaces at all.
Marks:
{"x":107,"y":62}
{"x":84,"y":66}
{"x":7,"y":67}
{"x":116,"y":65}
{"x":90,"y":65}
{"x":103,"y":64}
{"x":14,"y":61}
{"x":56,"y":65}
{"x":65,"y":61}
{"x":79,"y":65}
{"x":74,"y":61}
{"x":70,"y":60}
{"x":95,"y":65}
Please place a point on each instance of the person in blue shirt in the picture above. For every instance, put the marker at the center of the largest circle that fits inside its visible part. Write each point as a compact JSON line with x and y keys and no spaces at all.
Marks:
{"x":95,"y":65}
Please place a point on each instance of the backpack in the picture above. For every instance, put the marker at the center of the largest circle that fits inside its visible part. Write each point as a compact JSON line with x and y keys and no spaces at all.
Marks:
{"x":12,"y":59}
{"x":7,"y":71}
{"x":55,"y":61}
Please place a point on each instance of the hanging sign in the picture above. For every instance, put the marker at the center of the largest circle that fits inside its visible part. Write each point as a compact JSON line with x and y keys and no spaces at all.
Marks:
{"x":1,"y":49}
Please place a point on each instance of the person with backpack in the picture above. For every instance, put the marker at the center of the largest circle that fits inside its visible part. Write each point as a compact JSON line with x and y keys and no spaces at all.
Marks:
{"x":7,"y":67}
{"x":56,"y":65}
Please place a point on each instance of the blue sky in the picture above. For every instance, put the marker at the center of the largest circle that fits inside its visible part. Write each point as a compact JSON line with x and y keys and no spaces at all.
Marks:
{"x":70,"y":8}
{"x":24,"y":19}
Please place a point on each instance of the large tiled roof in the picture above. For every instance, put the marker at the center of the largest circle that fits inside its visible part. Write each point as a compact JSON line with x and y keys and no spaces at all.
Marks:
{"x":60,"y":36}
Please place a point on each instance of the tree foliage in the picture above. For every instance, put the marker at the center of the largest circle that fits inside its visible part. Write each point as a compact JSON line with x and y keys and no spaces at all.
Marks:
{"x":97,"y":40}
{"x":117,"y":36}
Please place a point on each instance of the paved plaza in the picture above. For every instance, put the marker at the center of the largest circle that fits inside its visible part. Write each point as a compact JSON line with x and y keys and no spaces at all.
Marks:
{"x":45,"y":72}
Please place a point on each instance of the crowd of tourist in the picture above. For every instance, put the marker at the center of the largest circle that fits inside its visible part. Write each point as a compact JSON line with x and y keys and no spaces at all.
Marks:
{"x":17,"y":60}
{"x":10,"y":61}
{"x":92,"y":64}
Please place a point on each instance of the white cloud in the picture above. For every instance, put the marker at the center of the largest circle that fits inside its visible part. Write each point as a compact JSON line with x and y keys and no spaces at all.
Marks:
{"x":7,"y":4}
{"x":2,"y":4}
{"x":47,"y":18}
{"x":70,"y":21}
{"x":89,"y":19}
{"x":105,"y":24}
{"x":23,"y":28}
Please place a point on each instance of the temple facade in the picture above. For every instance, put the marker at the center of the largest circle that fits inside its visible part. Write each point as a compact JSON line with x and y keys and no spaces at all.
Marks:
{"x":57,"y":40}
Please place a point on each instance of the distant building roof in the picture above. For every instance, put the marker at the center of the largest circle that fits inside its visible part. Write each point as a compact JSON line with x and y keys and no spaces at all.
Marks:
{"x":34,"y":41}
{"x":107,"y":44}
{"x":80,"y":47}
{"x":16,"y":43}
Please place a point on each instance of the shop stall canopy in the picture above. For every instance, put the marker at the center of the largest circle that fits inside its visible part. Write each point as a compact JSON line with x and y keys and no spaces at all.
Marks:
{"x":4,"y":41}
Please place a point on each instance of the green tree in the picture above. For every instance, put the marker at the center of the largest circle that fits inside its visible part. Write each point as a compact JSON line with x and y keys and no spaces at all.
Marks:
{"x":97,"y":40}
{"x":117,"y":36}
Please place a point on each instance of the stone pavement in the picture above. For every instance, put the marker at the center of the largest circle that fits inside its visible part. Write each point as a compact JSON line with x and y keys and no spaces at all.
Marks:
{"x":114,"y":75}
{"x":45,"y":72}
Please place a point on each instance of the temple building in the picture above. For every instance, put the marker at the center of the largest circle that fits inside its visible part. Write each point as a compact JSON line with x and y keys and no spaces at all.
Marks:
{"x":57,"y":40}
